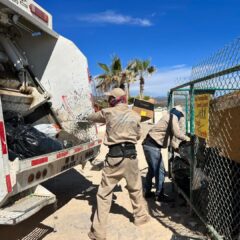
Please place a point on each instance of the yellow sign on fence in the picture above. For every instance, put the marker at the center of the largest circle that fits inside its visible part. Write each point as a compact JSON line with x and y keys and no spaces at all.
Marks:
{"x":202,"y":115}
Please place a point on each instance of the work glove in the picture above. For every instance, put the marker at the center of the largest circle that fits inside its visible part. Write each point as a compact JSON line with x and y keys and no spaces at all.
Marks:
{"x":187,"y":139}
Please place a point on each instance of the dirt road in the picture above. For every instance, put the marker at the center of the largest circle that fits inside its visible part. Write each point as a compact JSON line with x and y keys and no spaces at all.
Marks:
{"x":71,"y":218}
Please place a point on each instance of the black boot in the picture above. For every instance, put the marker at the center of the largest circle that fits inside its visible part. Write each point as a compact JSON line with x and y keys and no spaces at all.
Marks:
{"x":163,"y":197}
{"x":149,"y":194}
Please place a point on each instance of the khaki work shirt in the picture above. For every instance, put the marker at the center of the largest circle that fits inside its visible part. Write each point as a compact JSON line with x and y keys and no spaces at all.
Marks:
{"x":160,"y":135}
{"x":122,"y":124}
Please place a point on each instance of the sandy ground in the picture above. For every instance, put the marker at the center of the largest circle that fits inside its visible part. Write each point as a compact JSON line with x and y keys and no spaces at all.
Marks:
{"x":70,"y":218}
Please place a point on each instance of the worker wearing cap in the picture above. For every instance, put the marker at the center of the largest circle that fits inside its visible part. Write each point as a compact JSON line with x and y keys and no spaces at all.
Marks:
{"x":163,"y":134}
{"x":122,"y":132}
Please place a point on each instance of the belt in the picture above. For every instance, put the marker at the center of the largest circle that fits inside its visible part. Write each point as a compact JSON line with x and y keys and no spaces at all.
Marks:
{"x":123,"y":150}
{"x":149,"y":141}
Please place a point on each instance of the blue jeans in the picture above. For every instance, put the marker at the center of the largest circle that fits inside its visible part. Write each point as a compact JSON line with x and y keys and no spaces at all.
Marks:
{"x":156,"y":169}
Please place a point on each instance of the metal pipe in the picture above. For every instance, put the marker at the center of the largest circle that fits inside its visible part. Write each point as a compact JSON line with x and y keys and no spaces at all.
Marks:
{"x":15,"y":56}
{"x":192,"y":133}
{"x":192,"y":109}
{"x":170,"y":95}
{"x":206,"y":89}
{"x":211,"y":76}
{"x":186,"y":112}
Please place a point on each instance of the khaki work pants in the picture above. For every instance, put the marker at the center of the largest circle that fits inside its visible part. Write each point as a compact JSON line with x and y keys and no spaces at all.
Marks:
{"x":129,"y":170}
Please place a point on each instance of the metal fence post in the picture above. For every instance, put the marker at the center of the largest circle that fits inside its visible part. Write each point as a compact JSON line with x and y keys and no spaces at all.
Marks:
{"x":186,"y":112}
{"x":192,"y":109}
{"x":192,"y":148}
{"x":170,"y":100}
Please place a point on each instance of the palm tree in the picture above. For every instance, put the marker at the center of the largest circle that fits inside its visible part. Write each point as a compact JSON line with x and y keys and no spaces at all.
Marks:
{"x":112,"y":76}
{"x":142,"y":69}
{"x":130,"y":75}
{"x":115,"y":76}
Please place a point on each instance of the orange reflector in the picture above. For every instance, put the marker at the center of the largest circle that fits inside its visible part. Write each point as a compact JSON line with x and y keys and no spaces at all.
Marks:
{"x":3,"y":138}
{"x":9,"y":184}
{"x":39,"y":161}
{"x":62,"y":154}
{"x":79,"y":149}
{"x":39,"y":13}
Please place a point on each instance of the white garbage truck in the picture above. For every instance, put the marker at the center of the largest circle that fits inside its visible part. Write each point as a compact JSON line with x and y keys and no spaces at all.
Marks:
{"x":44,"y":81}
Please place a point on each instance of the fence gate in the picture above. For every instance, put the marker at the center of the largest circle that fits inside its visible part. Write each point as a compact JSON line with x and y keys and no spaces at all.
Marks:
{"x":212,"y":104}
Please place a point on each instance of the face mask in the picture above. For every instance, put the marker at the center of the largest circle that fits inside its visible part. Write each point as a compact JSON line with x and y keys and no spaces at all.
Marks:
{"x":114,"y":101}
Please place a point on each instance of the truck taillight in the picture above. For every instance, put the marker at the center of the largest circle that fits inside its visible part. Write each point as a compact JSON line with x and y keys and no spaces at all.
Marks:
{"x":44,"y":174}
{"x":39,"y":13}
{"x":38,"y":175}
{"x":31,"y":178}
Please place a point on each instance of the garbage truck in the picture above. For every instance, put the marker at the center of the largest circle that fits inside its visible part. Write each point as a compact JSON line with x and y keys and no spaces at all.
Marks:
{"x":44,"y":84}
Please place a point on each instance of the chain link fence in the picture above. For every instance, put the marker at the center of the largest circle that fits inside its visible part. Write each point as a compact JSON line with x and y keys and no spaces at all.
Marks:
{"x":212,"y":104}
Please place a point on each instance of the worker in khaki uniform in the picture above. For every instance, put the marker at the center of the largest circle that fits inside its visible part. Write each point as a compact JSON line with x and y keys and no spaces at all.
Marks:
{"x":122,"y":132}
{"x":166,"y":132}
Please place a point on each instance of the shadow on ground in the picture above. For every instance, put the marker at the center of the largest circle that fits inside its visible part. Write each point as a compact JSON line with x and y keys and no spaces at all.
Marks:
{"x":176,"y":216}
{"x":65,"y":186}
{"x":90,"y":196}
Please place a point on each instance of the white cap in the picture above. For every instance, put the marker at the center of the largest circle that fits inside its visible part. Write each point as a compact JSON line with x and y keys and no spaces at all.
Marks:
{"x":116,"y":92}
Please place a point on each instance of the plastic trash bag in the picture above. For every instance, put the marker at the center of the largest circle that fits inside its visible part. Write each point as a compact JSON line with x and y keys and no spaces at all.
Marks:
{"x":51,"y":130}
{"x":12,"y":155}
{"x":185,"y":150}
{"x":13,"y":118}
{"x":26,"y":141}
{"x":181,"y":173}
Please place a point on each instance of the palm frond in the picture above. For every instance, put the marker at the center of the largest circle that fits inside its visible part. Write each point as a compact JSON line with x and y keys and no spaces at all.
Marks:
{"x":101,"y":76}
{"x":116,"y":65}
{"x":145,"y":64}
{"x":151,"y":69}
{"x":131,"y":65}
{"x":104,"y":67}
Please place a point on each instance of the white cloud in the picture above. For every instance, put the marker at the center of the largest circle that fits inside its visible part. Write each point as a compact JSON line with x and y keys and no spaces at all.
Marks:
{"x":111,"y":17}
{"x":178,"y":66}
{"x":163,"y":80}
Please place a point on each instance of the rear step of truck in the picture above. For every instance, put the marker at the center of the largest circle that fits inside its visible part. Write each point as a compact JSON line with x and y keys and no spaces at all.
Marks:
{"x":26,"y":207}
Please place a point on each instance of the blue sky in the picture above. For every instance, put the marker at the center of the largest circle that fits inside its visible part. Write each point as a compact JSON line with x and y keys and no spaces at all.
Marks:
{"x":174,"y":34}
